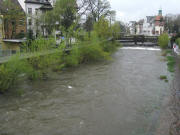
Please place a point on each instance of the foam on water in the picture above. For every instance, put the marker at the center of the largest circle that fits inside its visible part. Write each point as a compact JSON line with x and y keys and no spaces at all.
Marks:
{"x":141,"y":48}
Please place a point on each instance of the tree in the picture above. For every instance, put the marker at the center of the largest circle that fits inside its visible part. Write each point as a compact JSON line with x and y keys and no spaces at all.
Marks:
{"x":102,"y":28}
{"x":172,"y":24}
{"x":64,"y":14}
{"x":94,"y":8}
{"x":88,"y":25}
{"x":116,"y":29}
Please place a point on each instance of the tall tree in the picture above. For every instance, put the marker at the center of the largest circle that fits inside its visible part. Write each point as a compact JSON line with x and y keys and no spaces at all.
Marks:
{"x":63,"y":14}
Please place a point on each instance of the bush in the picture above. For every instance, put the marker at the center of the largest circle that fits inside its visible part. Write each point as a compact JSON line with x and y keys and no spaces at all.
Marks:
{"x":11,"y":72}
{"x":92,"y":51}
{"x":163,"y":41}
{"x":171,"y":63}
{"x":73,"y":58}
{"x":178,"y":42}
{"x":44,"y":56}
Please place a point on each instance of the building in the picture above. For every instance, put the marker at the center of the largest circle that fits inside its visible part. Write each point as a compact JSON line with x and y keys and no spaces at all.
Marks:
{"x":139,"y":27}
{"x":159,"y":24}
{"x":13,"y":25}
{"x":34,"y":9}
{"x":150,"y":26}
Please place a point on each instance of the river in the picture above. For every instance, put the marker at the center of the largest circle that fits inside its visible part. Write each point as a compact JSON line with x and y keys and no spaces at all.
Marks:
{"x":123,"y":96}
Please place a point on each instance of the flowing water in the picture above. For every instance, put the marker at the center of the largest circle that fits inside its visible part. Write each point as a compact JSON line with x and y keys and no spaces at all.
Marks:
{"x":123,"y":96}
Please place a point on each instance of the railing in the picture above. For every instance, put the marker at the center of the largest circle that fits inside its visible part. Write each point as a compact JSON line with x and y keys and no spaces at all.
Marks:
{"x":5,"y":53}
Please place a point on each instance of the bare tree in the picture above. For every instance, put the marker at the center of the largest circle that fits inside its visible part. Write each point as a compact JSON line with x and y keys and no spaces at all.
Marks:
{"x":94,"y":8}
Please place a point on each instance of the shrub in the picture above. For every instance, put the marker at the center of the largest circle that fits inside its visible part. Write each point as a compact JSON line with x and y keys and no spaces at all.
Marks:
{"x":11,"y":71}
{"x":44,"y":56}
{"x":171,"y":63}
{"x":163,"y":41}
{"x":178,"y":42}
{"x":163,"y":77}
{"x":92,"y":51}
{"x":73,"y":58}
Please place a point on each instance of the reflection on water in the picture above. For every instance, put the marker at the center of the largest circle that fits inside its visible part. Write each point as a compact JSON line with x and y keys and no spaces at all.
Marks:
{"x":120,"y":97}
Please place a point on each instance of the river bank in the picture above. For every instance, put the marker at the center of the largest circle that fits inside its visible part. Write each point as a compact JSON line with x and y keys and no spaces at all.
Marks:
{"x":175,"y":99}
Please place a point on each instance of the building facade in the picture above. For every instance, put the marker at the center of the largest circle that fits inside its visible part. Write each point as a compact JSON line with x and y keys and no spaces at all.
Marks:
{"x":150,"y":26}
{"x":13,"y":25}
{"x":34,"y":9}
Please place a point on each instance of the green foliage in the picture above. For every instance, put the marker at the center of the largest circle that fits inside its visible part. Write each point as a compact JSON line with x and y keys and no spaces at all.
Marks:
{"x":73,"y":58}
{"x":43,"y":54}
{"x":103,"y":29}
{"x":171,"y":63}
{"x":92,"y":51}
{"x":64,"y":12}
{"x":116,"y":29}
{"x":178,"y":41}
{"x":163,"y":41}
{"x":11,"y":71}
{"x":163,"y":77}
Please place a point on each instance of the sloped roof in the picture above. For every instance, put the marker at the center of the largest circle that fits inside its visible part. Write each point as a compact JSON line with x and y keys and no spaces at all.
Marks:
{"x":158,"y":18}
{"x":45,"y":2}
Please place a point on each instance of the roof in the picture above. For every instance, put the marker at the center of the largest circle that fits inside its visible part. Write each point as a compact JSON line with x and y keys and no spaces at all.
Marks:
{"x":158,"y":18}
{"x":14,"y":40}
{"x":44,"y":2}
{"x":3,"y":7}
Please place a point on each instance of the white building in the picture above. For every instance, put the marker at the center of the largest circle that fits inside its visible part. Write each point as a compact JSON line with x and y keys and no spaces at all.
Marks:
{"x":150,"y":26}
{"x":34,"y":9}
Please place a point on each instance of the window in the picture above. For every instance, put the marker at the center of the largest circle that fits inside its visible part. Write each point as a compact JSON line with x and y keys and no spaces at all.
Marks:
{"x":30,"y":11}
{"x":30,"y":22}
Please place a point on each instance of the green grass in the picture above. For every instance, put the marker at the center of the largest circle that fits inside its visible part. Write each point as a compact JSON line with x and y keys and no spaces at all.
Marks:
{"x":163,"y":77}
{"x":166,"y":52}
{"x":171,"y":63}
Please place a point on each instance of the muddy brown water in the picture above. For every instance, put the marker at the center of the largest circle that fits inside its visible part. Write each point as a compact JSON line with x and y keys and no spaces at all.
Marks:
{"x":123,"y":96}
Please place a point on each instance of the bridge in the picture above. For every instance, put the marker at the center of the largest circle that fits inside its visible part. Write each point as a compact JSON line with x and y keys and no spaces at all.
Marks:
{"x":138,"y":40}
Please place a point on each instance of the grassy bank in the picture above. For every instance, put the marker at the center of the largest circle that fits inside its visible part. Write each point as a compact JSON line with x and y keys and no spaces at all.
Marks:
{"x":38,"y":66}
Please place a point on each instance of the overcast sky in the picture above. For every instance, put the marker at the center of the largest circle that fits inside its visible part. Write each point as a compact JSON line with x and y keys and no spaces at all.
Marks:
{"x":132,"y":10}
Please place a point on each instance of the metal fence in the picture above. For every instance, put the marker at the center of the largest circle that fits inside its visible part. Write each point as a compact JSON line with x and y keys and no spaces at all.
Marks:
{"x":5,"y":53}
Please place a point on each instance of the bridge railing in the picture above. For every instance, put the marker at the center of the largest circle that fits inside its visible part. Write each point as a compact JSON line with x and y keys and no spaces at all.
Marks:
{"x":139,"y":38}
{"x":5,"y":53}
